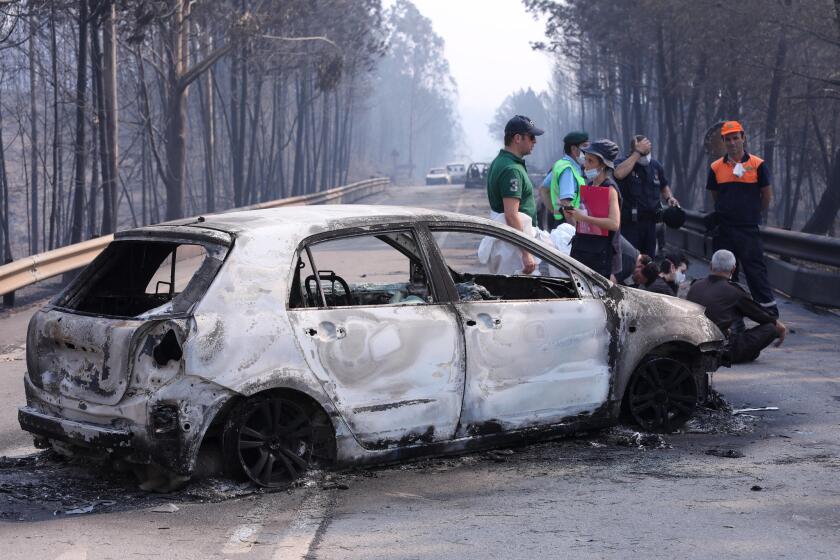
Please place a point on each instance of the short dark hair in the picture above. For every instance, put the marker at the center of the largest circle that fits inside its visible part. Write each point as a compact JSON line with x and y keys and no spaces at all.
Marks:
{"x":567,"y":148}
{"x":650,"y":272}
{"x":509,"y":137}
{"x":645,"y":259}
{"x":666,"y":266}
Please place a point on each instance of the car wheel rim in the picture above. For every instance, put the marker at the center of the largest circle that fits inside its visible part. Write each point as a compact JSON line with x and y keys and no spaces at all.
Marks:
{"x":275,"y":442}
{"x":662,"y":395}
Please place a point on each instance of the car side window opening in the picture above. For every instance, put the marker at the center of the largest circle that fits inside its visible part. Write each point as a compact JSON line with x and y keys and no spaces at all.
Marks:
{"x":377,"y":269}
{"x":482,"y":271}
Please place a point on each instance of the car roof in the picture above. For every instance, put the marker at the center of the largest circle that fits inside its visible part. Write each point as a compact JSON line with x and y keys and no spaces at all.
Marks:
{"x":307,"y":220}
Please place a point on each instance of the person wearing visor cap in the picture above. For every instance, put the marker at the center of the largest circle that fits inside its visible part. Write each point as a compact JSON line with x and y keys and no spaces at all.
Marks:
{"x":740,"y":186}
{"x":509,"y":190}
{"x":561,"y":185}
{"x":596,"y":242}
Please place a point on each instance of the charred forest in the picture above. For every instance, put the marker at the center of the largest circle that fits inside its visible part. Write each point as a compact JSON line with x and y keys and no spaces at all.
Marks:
{"x":671,"y":70}
{"x":121,"y":114}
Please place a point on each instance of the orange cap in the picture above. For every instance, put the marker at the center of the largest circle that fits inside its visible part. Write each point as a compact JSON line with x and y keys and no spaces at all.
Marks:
{"x":730,"y":127}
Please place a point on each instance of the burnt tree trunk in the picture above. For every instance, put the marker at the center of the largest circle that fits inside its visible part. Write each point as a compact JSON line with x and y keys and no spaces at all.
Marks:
{"x":33,"y":142}
{"x":109,"y":106}
{"x":79,"y":144}
{"x":822,"y":220}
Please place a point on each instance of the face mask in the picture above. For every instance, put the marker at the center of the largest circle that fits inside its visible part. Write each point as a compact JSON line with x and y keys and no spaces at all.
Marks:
{"x":590,"y":174}
{"x":644,"y":160}
{"x":680,"y":277}
{"x":581,"y":159}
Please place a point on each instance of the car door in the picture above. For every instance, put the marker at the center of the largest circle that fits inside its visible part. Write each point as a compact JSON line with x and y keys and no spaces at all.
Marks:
{"x":390,"y":353}
{"x":537,"y":351}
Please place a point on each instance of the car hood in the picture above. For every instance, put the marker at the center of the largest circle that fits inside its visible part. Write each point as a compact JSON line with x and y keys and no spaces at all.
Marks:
{"x":677,"y":316}
{"x":658,"y":304}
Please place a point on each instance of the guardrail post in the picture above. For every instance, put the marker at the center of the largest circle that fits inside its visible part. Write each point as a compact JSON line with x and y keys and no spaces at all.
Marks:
{"x":8,"y":299}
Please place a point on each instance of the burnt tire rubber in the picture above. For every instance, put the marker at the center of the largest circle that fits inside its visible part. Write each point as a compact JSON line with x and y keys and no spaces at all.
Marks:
{"x":662,"y":394}
{"x":273,"y":440}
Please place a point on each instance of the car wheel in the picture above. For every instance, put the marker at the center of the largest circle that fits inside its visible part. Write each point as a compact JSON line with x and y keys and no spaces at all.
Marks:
{"x":271,"y":439}
{"x":662,"y":394}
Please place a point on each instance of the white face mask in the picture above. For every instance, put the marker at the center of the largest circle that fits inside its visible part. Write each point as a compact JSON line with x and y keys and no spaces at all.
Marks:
{"x":590,"y":174}
{"x":680,"y":277}
{"x":644,"y":160}
{"x":581,"y":159}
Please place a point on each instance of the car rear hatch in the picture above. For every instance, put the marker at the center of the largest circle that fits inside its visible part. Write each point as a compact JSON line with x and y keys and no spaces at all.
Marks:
{"x":84,"y":344}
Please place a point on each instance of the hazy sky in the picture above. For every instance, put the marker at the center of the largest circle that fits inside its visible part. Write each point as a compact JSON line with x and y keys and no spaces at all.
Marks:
{"x":487,"y":45}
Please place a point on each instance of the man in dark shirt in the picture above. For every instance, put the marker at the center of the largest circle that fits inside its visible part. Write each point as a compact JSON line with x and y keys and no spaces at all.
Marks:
{"x":740,"y":186}
{"x":643,"y":185}
{"x":726,"y":303}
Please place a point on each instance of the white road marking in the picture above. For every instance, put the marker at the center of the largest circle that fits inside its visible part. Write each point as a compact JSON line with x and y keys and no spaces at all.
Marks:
{"x":303,"y":529}
{"x":78,"y":552}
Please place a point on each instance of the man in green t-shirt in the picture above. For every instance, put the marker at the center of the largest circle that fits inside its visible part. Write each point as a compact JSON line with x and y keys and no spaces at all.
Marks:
{"x":509,"y":190}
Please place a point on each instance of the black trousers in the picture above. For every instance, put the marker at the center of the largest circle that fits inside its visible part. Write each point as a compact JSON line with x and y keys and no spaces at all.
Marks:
{"x":745,"y":243}
{"x":641,"y":234}
{"x":747,"y":345}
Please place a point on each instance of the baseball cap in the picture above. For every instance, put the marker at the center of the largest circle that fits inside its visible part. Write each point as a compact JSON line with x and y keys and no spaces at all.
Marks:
{"x":730,"y":127}
{"x":521,"y":124}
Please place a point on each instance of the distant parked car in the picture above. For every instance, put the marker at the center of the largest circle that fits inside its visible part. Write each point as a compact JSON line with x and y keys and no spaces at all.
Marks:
{"x":457,"y":172}
{"x":476,"y":175}
{"x":346,"y":335}
{"x":437,"y":176}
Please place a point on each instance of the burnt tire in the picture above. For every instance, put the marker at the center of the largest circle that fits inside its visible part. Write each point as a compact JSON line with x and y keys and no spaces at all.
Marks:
{"x":273,"y":439}
{"x":662,"y":394}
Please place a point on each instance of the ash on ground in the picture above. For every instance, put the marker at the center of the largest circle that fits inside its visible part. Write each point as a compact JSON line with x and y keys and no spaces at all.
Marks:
{"x":46,"y":485}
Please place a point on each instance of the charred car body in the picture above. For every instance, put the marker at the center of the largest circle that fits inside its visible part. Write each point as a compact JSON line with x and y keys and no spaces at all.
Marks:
{"x":346,"y":335}
{"x":476,"y":176}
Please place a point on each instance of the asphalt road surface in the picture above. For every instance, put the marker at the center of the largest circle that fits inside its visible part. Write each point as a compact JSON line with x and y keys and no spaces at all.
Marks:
{"x":761,"y":484}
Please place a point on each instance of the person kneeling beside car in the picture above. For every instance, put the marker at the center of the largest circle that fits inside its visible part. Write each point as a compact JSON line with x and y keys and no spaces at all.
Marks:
{"x":727,"y":303}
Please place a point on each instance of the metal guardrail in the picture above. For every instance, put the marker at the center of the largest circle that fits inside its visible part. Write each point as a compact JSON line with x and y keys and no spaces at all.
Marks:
{"x":34,"y":268}
{"x":820,"y":287}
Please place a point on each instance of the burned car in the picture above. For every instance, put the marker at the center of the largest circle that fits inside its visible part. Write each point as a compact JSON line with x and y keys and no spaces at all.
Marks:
{"x":476,"y":175}
{"x":438,"y":176}
{"x":346,"y":335}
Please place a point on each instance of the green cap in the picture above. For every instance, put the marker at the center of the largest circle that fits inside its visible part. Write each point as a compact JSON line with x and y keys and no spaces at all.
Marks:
{"x":576,"y":137}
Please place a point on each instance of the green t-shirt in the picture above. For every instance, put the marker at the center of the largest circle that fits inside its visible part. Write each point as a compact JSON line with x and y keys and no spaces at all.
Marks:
{"x":508,"y":178}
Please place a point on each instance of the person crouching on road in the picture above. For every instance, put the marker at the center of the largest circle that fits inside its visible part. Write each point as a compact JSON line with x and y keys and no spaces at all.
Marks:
{"x":654,"y":281}
{"x":509,"y":190}
{"x":596,"y":241}
{"x":727,"y":302}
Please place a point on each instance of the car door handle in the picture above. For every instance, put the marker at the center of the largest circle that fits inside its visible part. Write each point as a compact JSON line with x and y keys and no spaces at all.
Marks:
{"x":470,"y":323}
{"x":310,"y":331}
